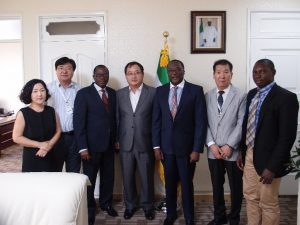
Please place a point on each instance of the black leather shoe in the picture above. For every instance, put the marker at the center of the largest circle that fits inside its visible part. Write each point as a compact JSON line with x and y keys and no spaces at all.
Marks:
{"x":149,"y":214}
{"x":128,"y":214}
{"x":169,"y":221}
{"x":110,"y":211}
{"x":189,"y":222}
{"x":218,"y":222}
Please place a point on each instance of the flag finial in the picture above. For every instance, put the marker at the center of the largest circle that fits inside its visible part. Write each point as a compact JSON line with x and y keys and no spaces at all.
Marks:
{"x":166,"y":35}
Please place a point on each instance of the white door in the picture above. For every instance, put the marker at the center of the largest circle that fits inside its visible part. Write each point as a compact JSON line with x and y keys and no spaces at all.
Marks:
{"x":80,"y":37}
{"x":276,"y":35}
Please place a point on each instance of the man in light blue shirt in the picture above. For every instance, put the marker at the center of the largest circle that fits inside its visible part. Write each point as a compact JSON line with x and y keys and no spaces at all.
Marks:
{"x":63,"y":92}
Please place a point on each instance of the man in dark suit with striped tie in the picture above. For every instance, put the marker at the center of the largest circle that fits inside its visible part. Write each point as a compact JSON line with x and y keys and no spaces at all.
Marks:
{"x":179,"y":126}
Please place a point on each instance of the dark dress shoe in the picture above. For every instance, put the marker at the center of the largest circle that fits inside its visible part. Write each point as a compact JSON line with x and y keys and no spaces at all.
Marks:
{"x":189,"y":222}
{"x":218,"y":222}
{"x":110,"y":211}
{"x":169,"y":221}
{"x":128,"y":214}
{"x":149,"y":214}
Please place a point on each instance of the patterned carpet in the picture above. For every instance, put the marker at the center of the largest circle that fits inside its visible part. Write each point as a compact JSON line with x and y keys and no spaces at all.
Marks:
{"x":10,"y":161}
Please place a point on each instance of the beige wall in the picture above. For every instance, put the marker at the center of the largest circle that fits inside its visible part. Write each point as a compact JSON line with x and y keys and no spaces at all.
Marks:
{"x":135,"y":30}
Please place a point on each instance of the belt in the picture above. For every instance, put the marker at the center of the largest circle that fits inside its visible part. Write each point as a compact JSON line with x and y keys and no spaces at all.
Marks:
{"x":68,"y":133}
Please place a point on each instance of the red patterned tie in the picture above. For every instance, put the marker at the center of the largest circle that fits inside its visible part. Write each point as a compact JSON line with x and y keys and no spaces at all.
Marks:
{"x":105,"y":100}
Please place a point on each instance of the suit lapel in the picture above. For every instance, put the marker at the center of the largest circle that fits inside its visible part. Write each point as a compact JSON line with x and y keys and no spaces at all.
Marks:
{"x":142,"y":98}
{"x":184,"y":95}
{"x":127,"y":101}
{"x":165,"y":99}
{"x":96,"y":96}
{"x":228,"y":100}
{"x":267,"y":101}
{"x":110,"y":98}
{"x":213,"y":101}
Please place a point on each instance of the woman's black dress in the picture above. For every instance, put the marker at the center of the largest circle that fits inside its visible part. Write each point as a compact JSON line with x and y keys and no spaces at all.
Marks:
{"x":39,"y":126}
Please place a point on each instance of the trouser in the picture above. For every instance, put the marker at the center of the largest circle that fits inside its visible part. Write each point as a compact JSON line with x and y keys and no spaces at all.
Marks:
{"x":67,"y":152}
{"x":103,"y":161}
{"x":179,"y":169}
{"x":261,"y":199}
{"x":143,"y":162}
{"x":218,"y":168}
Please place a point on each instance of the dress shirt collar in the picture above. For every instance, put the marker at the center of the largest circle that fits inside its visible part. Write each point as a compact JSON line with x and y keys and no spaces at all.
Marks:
{"x":71,"y":85}
{"x":226,"y":90}
{"x":180,"y":85}
{"x":267,"y":88}
{"x":138,"y":89}
{"x":98,"y":88}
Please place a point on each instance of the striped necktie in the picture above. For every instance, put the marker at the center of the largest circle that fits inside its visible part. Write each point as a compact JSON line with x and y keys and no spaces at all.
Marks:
{"x":104,"y":100}
{"x":174,"y":102}
{"x":251,"y":126}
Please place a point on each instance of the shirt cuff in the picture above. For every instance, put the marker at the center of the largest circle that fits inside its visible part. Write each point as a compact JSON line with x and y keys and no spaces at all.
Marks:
{"x":210,"y":143}
{"x":82,"y":150}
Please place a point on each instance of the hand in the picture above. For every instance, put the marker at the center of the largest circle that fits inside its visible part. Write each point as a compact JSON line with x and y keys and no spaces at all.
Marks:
{"x":158,"y":154}
{"x":41,"y":153}
{"x":226,"y":151}
{"x":194,"y":157}
{"x":239,"y":161}
{"x":85,"y":155}
{"x":267,"y":177}
{"x":117,"y":147}
{"x":44,"y":146}
{"x":216,"y":151}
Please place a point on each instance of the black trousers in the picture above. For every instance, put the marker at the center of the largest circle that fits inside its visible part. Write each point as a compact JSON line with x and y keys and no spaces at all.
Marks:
{"x":179,"y":169}
{"x":103,"y":162}
{"x":67,"y":152}
{"x":218,"y":168}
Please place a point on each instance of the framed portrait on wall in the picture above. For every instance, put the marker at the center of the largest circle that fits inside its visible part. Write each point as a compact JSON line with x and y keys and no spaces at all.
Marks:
{"x":208,"y":32}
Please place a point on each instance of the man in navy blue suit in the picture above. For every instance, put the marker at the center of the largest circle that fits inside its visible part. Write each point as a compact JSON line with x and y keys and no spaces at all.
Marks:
{"x":179,"y":125}
{"x":95,"y":131}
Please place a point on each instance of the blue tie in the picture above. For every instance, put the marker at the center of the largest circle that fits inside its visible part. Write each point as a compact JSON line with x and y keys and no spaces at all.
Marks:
{"x":220,"y":100}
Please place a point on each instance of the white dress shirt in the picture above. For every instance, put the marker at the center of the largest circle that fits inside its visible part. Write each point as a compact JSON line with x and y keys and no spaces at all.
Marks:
{"x":62,"y":100}
{"x":135,"y":96}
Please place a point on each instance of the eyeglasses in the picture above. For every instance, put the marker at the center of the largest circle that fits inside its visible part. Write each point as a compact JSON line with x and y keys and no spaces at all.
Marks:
{"x":65,"y":68}
{"x":136,"y":73}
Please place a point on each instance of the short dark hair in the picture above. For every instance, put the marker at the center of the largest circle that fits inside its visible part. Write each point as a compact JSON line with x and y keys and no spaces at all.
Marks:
{"x":223,"y":62}
{"x":130,"y":64}
{"x":267,"y":62}
{"x":177,"y":61}
{"x":65,"y":60}
{"x":100,"y":67}
{"x":25,"y":95}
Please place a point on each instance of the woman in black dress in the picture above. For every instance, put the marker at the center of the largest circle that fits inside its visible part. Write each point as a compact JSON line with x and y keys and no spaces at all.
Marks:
{"x":36,"y":128}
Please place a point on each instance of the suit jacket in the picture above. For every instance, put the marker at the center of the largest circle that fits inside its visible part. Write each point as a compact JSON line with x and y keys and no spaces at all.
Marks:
{"x":225,"y":128}
{"x":188,"y":130}
{"x":276,"y":130}
{"x":95,"y":129}
{"x":135,"y":127}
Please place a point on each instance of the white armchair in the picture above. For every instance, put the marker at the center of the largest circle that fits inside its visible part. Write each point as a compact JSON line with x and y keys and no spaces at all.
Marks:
{"x":43,"y":199}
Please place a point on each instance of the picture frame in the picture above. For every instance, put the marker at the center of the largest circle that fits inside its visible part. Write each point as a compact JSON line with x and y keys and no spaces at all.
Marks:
{"x":208,"y":32}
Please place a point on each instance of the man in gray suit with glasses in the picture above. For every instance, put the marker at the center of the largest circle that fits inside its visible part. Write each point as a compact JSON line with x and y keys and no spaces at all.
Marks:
{"x":134,"y":120}
{"x":225,"y":111}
